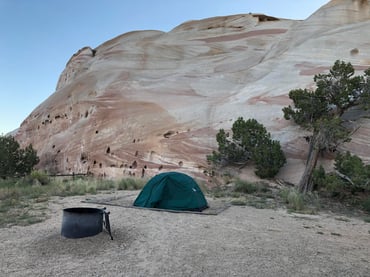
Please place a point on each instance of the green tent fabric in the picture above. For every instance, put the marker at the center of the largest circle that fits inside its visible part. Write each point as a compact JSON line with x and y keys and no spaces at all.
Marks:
{"x":172,"y":191}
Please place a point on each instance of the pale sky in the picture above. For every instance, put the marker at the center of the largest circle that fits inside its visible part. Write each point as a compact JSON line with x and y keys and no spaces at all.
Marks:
{"x":38,"y":37}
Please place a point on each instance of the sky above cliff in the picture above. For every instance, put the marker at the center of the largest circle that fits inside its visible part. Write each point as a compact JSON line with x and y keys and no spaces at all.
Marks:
{"x":38,"y":37}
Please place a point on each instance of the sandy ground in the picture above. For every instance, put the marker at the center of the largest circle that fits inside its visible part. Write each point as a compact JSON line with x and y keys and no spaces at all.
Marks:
{"x":240,"y":241}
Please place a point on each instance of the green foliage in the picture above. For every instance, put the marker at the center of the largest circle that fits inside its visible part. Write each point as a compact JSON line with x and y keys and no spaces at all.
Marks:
{"x":269,"y":158}
{"x":299,"y":202}
{"x":336,"y":91}
{"x":249,"y":134}
{"x":350,"y":165}
{"x":366,"y":205}
{"x":24,"y":204}
{"x":15,"y":161}
{"x":105,"y":185}
{"x":130,"y":184}
{"x":354,"y":168}
{"x":365,"y":96}
{"x":335,"y":185}
{"x":40,"y":177}
{"x":245,"y":187}
{"x":349,"y":183}
{"x":308,"y":107}
{"x":250,"y":141}
{"x":320,"y":110}
{"x":27,"y":160}
{"x":319,"y":176}
{"x":340,"y":87}
{"x":20,"y":203}
{"x":258,"y":188}
{"x":295,"y":201}
{"x":9,"y":148}
{"x":331,"y":183}
{"x":230,"y":151}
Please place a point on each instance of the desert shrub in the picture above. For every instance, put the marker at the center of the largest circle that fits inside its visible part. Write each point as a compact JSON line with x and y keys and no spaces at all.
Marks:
{"x":250,"y":141}
{"x":350,"y":183}
{"x":91,"y":190}
{"x":7,"y":193}
{"x":39,"y":176}
{"x":269,"y":158}
{"x":354,"y":168}
{"x":127,"y":184}
{"x":335,"y":185}
{"x":293,"y":199}
{"x":330,"y":183}
{"x":366,"y":205}
{"x":78,"y":187}
{"x":7,"y":183}
{"x":122,"y":185}
{"x":244,"y":186}
{"x":319,"y":177}
{"x":15,"y":161}
{"x":105,"y":185}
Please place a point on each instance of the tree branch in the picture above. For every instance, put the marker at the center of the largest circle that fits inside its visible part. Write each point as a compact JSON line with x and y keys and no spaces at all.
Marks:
{"x":345,"y":177}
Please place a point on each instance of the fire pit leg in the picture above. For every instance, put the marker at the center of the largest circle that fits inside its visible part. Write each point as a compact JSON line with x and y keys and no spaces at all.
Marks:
{"x":107,"y":223}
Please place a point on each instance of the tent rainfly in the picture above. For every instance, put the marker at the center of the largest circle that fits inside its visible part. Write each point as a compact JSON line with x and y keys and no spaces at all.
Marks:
{"x":172,"y":191}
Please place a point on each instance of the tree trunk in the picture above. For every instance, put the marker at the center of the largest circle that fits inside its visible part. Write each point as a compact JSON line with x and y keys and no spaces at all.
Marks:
{"x":305,"y":184}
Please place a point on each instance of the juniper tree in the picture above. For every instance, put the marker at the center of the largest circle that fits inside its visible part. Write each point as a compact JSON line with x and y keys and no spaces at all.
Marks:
{"x":250,"y":141}
{"x":320,"y":111}
{"x":15,"y":161}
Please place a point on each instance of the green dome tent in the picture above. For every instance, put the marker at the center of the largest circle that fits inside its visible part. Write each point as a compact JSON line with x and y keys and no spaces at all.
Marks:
{"x":172,"y":191}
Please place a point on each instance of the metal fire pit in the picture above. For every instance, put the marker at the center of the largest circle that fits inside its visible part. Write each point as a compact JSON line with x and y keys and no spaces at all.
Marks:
{"x":84,"y":222}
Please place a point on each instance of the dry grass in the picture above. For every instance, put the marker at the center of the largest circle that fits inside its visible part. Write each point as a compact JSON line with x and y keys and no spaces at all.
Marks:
{"x":23,"y":203}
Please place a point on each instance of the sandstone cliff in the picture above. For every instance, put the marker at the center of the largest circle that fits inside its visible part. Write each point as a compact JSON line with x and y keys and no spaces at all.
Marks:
{"x":148,"y":101}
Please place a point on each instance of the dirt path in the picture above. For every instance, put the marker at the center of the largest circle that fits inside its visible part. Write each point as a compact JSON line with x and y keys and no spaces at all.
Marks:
{"x":241,"y":241}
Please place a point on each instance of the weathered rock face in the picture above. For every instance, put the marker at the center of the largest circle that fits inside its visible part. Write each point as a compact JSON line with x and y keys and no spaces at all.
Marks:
{"x":149,"y":101}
